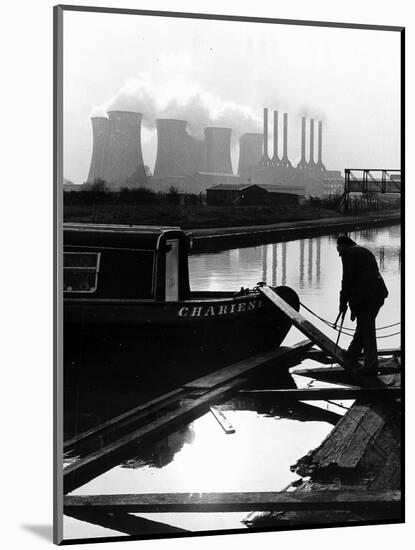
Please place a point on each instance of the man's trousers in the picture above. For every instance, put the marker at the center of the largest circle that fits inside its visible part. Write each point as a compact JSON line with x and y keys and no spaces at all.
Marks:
{"x":364,"y":338}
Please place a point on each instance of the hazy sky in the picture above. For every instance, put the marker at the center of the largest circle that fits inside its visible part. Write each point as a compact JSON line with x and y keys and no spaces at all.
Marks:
{"x":223,"y":73}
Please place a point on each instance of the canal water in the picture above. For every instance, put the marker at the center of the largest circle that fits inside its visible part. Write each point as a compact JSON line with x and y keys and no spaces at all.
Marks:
{"x":266,"y":442}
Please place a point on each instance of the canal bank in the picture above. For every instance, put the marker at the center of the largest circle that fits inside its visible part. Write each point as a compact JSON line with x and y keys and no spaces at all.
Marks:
{"x":206,"y":240}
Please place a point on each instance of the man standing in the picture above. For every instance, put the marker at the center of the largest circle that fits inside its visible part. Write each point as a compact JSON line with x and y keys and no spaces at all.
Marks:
{"x":364,"y":290}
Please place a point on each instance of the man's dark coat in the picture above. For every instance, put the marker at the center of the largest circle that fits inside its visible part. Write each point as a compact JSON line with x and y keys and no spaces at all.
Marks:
{"x":362,"y":285}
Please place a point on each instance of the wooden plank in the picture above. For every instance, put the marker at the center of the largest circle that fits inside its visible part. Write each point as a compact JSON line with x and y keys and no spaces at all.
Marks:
{"x":365,"y":432}
{"x":232,"y":502}
{"x":79,"y":472}
{"x":124,"y":522}
{"x":337,"y":375}
{"x":391,"y":380}
{"x":345,"y":446}
{"x":385,"y":368}
{"x":222,"y":420}
{"x":244,"y":367}
{"x":312,"y":394}
{"x":318,"y":337}
{"x":385,"y":352}
{"x":333,"y":444}
{"x":321,"y":357}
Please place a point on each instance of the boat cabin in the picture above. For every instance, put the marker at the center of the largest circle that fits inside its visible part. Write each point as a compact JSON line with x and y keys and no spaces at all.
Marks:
{"x":131,"y":262}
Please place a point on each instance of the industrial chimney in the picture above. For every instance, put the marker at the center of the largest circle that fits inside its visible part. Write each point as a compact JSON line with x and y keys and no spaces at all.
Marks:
{"x":124,"y":163}
{"x":218,"y":150}
{"x":285,"y":161}
{"x":100,"y":135}
{"x":275,"y":159}
{"x":250,"y":152}
{"x":303,"y":162}
{"x":320,"y":165}
{"x":265,"y":160}
{"x":311,"y":163}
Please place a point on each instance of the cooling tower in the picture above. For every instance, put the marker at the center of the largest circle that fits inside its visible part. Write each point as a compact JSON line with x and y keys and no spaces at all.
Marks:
{"x":195,"y":155}
{"x":285,"y":161}
{"x":320,"y":165}
{"x":265,"y":160}
{"x":218,"y":150}
{"x":124,"y":164}
{"x":303,"y":162}
{"x":172,"y":140}
{"x":250,"y":151}
{"x":100,"y":134}
{"x":275,"y":159}
{"x":311,"y":163}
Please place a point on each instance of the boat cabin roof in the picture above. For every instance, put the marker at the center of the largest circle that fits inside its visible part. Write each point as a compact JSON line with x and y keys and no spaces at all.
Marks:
{"x":146,"y":237}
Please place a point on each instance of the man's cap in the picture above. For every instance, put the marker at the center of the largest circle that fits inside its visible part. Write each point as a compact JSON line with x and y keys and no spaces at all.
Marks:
{"x":345,"y":241}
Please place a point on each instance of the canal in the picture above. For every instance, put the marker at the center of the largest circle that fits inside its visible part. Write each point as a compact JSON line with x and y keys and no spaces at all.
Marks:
{"x":266,"y":442}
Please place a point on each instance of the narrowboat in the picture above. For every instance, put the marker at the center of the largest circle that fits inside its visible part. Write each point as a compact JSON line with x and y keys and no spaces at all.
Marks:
{"x":129,"y":307}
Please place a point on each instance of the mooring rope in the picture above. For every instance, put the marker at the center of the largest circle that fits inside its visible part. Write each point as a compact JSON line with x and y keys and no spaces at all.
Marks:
{"x":349,"y":331}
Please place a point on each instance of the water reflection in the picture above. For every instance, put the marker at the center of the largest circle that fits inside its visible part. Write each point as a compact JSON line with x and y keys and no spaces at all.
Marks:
{"x":295,"y":410}
{"x":318,"y":260}
{"x":302,"y":242}
{"x":264,"y":263}
{"x":310,"y":260}
{"x":274,"y":264}
{"x":287,"y":262}
{"x":215,"y":461}
{"x":311,"y":266}
{"x":163,"y":451}
{"x":284,"y":263}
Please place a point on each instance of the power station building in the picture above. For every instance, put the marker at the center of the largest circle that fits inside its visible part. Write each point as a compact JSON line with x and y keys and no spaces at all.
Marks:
{"x":192,"y":165}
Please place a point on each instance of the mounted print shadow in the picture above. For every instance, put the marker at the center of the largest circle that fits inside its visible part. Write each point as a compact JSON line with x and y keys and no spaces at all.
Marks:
{"x":228,"y":274}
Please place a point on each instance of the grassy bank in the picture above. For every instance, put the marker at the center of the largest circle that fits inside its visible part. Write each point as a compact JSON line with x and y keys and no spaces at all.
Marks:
{"x":192,"y":216}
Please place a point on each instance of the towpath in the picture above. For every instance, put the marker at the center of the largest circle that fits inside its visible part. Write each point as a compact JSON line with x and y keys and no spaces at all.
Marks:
{"x":223,"y":237}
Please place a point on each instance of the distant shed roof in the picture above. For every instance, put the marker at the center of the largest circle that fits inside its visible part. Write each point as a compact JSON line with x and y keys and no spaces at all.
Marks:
{"x":233,"y":186}
{"x":290,"y":189}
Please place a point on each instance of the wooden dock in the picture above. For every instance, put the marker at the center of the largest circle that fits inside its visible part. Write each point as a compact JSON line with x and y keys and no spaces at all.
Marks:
{"x":361,"y":454}
{"x":352,"y":477}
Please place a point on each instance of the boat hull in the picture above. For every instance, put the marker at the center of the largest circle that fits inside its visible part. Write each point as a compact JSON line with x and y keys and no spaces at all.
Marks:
{"x":173,"y":340}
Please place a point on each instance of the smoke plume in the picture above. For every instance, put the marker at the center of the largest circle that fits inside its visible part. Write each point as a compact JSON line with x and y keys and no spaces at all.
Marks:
{"x":200,"y":108}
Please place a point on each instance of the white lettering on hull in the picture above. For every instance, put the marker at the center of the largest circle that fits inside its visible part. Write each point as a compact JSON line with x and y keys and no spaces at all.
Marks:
{"x":220,"y":309}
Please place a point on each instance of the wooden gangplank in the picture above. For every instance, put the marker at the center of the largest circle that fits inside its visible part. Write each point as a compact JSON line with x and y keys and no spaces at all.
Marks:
{"x":319,"y":338}
{"x":192,"y":401}
{"x":307,"y":328}
{"x":231,"y":502}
